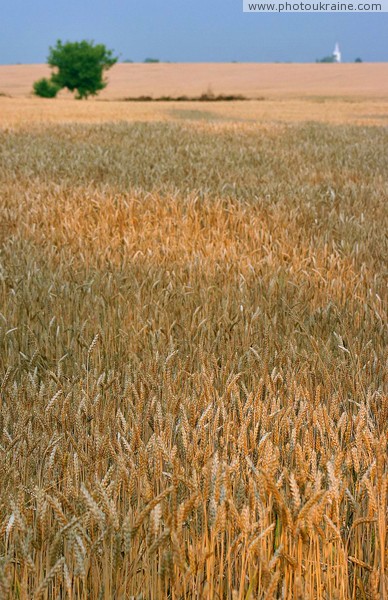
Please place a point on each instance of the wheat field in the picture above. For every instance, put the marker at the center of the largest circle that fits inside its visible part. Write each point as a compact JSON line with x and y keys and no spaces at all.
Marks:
{"x":193,"y":364}
{"x":367,"y":80}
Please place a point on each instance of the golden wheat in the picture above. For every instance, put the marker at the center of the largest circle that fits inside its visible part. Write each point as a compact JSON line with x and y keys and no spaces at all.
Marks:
{"x":193,"y":361}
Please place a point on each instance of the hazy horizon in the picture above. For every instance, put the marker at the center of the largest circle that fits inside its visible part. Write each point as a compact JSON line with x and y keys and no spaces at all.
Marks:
{"x":188,"y":62}
{"x":193,"y":32}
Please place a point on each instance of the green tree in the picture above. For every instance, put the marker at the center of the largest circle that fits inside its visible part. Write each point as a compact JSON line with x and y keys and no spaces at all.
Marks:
{"x":80,"y":66}
{"x":326,"y":59}
{"x":45,"y":88}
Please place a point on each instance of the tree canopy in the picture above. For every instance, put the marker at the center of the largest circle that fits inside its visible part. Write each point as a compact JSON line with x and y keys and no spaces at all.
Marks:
{"x":80,"y":66}
{"x":326,"y":59}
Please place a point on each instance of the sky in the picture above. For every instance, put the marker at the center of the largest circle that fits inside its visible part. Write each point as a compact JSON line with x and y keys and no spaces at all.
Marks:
{"x":187,"y":31}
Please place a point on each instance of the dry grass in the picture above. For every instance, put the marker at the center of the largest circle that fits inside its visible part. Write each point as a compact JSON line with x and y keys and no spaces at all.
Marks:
{"x":193,"y":361}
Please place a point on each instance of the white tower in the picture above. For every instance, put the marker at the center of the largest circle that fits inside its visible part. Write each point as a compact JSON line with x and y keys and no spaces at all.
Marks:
{"x":336,"y":53}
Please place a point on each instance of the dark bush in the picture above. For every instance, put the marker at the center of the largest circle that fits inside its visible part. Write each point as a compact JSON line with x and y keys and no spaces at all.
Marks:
{"x":45,"y":88}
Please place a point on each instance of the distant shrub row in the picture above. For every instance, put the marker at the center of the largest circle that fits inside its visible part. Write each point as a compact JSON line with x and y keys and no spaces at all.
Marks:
{"x":206,"y":97}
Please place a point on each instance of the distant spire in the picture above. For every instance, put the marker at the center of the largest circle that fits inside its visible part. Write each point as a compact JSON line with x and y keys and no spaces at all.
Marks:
{"x":337,"y":53}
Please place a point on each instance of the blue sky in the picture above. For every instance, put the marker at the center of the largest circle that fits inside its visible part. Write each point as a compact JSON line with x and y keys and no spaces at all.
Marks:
{"x":187,"y":31}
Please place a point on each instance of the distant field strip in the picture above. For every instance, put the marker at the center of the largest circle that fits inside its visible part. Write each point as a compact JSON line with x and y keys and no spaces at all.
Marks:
{"x":249,"y":79}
